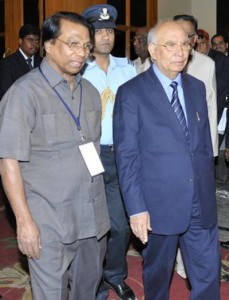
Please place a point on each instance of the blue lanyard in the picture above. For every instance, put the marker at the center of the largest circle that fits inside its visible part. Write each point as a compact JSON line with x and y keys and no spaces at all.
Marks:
{"x":75,"y":119}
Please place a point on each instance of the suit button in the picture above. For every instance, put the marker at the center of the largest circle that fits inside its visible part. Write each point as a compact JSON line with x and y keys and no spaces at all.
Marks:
{"x":191,"y":179}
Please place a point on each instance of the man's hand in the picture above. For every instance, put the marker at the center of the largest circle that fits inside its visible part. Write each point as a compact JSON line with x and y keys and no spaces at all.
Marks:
{"x":28,"y":237}
{"x":28,"y":234}
{"x":140,"y":225}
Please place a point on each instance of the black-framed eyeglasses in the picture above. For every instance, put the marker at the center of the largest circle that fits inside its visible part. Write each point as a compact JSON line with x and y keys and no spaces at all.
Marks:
{"x":76,"y":46}
{"x":170,"y":46}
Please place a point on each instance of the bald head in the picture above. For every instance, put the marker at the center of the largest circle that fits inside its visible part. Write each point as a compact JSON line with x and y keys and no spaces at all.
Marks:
{"x":169,"y":47}
{"x":140,"y":43}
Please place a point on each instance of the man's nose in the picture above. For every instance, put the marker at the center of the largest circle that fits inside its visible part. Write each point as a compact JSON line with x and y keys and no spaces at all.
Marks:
{"x":105,"y":34}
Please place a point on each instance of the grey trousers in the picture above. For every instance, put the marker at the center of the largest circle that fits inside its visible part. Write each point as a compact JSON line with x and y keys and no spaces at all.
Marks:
{"x":68,"y":271}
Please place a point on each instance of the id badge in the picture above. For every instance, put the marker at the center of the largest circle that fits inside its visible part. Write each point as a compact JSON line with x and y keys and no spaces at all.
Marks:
{"x":91,"y":159}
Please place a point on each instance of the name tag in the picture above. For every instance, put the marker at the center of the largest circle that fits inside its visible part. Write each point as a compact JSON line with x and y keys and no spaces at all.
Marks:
{"x":91,"y":159}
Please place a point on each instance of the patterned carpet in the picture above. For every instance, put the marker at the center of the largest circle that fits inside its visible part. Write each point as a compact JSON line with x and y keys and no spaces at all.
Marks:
{"x":15,"y":281}
{"x":16,"y":277}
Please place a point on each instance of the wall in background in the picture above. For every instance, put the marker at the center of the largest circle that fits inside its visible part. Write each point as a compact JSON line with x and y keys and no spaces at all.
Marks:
{"x":203,"y":10}
{"x":168,"y":8}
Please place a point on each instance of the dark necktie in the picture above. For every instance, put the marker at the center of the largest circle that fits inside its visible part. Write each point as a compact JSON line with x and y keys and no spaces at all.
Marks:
{"x":29,"y":62}
{"x":175,"y":102}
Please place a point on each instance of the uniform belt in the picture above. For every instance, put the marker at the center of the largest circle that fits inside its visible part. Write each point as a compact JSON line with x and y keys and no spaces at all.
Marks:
{"x":110,"y":148}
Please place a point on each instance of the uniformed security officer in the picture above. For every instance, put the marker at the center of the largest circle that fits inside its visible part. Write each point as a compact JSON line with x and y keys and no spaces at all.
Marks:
{"x":107,"y":73}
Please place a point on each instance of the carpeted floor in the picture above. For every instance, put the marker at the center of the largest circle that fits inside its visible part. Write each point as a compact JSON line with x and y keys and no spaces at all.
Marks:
{"x":15,"y":283}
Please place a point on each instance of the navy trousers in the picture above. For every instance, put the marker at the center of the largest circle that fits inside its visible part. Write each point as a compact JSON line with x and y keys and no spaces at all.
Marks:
{"x":115,"y":267}
{"x":201,"y":255}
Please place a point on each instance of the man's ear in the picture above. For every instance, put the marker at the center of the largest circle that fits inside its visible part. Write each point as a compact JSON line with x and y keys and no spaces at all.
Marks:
{"x":195,"y":38}
{"x":151,"y":49}
{"x":48,"y":46}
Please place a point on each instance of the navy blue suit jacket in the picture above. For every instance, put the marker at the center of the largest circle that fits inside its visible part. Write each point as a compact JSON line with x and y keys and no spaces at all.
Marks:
{"x":12,"y":67}
{"x":158,"y":171}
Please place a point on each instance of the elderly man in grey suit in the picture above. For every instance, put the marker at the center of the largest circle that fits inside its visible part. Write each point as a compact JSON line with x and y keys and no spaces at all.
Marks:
{"x":50,"y":129}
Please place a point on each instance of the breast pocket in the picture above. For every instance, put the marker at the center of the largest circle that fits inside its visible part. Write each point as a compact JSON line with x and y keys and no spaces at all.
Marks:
{"x":94,"y":123}
{"x":57,"y":129}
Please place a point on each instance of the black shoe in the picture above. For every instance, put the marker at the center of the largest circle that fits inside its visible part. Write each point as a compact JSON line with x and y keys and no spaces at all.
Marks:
{"x":225,"y":244}
{"x":123,"y":291}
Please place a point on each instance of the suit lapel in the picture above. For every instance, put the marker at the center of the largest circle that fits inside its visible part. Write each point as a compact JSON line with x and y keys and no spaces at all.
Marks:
{"x":191,"y":109}
{"x":161,"y":102}
{"x":22,"y":62}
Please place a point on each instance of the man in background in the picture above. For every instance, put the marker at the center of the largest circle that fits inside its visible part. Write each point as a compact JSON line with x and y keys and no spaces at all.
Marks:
{"x":219,"y":43}
{"x":203,"y":68}
{"x":23,"y":60}
{"x":14,"y":66}
{"x":222,"y":72}
{"x":107,"y":73}
{"x":141,"y":48}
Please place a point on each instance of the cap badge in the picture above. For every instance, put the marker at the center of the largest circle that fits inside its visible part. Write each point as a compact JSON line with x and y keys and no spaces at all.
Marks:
{"x":104,"y":15}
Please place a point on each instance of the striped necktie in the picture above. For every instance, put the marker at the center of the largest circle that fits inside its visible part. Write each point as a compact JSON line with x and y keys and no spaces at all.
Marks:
{"x":175,"y":102}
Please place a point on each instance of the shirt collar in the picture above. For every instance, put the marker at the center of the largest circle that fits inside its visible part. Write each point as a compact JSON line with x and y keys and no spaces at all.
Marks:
{"x":165,"y":81}
{"x":53,"y":77}
{"x":26,"y":56}
{"x":93,"y":64}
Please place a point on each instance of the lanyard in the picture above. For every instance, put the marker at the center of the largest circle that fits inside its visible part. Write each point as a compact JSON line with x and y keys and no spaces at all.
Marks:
{"x":75,"y":119}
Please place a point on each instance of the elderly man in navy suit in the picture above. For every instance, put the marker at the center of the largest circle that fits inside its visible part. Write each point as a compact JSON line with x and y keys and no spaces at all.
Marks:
{"x":166,"y":168}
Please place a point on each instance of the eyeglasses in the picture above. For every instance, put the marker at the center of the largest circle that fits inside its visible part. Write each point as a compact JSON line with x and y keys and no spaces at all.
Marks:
{"x":76,"y":46}
{"x":171,"y":47}
{"x":191,"y":35}
{"x":218,"y":43}
{"x":201,"y":36}
{"x":201,"y":44}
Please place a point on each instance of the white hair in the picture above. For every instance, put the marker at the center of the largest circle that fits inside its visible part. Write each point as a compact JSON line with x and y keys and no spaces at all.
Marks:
{"x":152,"y":34}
